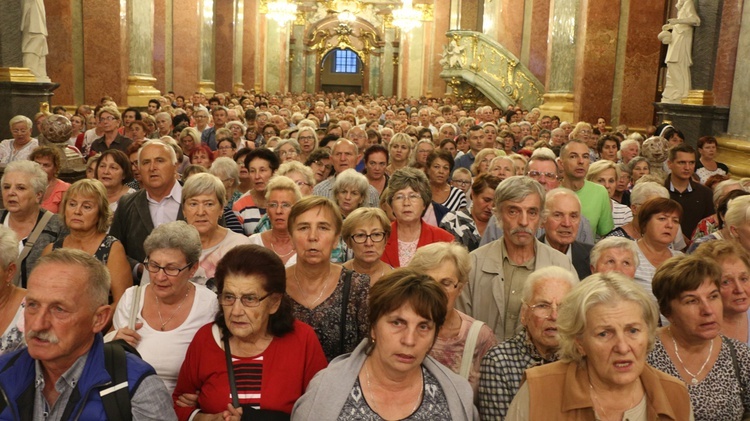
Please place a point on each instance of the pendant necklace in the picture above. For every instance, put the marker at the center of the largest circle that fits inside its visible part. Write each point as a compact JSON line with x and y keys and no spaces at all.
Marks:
{"x":158,"y":310}
{"x":677,"y":354}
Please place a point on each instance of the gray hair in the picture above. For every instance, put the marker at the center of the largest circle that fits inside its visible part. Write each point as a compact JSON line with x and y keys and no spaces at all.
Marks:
{"x":351,"y":177}
{"x":630,"y":141}
{"x":600,"y":289}
{"x":643,"y":191}
{"x":409,"y":178}
{"x":516,"y":189}
{"x":282,"y":182}
{"x":242,"y":127}
{"x":292,"y":142}
{"x":614,"y":243}
{"x":37,"y":176}
{"x":312,"y":131}
{"x":21,"y":119}
{"x":721,"y":189}
{"x":162,"y":144}
{"x":204,"y":183}
{"x":432,"y":255}
{"x":545,"y":274}
{"x":8,"y":247}
{"x":738,"y":211}
{"x":296,"y":166}
{"x":635,"y":161}
{"x":175,"y":235}
{"x":96,"y":273}
{"x":225,"y":167}
{"x":553,"y":194}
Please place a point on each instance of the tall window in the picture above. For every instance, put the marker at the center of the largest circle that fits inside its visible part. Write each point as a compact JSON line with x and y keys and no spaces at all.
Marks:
{"x":345,"y":61}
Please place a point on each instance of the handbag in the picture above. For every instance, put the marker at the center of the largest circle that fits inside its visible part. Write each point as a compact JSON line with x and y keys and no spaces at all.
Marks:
{"x":248,"y":412}
{"x":29,"y":244}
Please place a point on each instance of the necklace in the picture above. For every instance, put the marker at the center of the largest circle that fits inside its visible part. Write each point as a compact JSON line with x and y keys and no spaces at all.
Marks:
{"x":158,"y":310}
{"x":374,"y":401}
{"x":282,"y":255}
{"x":299,"y":286}
{"x":677,"y":354}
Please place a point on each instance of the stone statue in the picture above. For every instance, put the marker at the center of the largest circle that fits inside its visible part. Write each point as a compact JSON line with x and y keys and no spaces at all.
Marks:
{"x":34,"y":41}
{"x":57,"y":129}
{"x":679,"y":55}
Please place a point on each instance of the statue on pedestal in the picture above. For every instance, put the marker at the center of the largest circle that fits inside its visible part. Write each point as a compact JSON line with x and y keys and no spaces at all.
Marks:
{"x":34,"y":41}
{"x":678,"y":34}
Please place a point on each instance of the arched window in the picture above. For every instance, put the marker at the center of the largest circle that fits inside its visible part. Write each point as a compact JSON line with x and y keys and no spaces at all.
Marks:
{"x":345,"y":61}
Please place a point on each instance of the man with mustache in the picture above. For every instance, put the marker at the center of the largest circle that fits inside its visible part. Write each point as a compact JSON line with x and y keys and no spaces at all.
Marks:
{"x":62,"y":373}
{"x":560,"y":220}
{"x":500,"y":268}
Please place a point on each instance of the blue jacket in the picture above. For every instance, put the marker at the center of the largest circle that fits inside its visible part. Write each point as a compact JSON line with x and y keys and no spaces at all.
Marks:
{"x":17,"y":385}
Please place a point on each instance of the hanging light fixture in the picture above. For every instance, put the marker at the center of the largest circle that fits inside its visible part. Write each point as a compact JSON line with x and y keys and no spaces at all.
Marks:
{"x":407,"y":17}
{"x":282,"y":11}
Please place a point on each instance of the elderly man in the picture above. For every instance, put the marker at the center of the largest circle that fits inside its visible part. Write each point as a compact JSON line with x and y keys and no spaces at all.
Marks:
{"x":615,"y":254}
{"x":500,"y":268}
{"x":344,"y":156}
{"x":208,"y":137}
{"x":560,"y":220}
{"x":158,"y":201}
{"x":595,"y":204}
{"x":358,"y":135}
{"x":64,"y":371}
{"x":504,"y":365}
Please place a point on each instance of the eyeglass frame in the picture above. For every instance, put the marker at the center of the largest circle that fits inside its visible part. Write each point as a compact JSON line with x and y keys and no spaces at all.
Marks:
{"x":223,"y":295}
{"x":164,"y":269}
{"x":368,"y":237}
{"x":552,"y":307}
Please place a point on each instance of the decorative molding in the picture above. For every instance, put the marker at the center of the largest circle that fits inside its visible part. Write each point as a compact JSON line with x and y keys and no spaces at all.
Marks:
{"x":699,"y":97}
{"x":16,"y":74}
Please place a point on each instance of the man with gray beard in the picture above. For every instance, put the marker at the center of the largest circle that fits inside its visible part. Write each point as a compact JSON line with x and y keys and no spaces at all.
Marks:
{"x":500,"y":268}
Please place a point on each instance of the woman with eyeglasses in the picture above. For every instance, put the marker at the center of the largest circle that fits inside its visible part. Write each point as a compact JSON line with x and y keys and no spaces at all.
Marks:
{"x":308,"y":142}
{"x":288,"y":150}
{"x":254,"y":339}
{"x":160,"y":318}
{"x":282,"y":193}
{"x":365,"y":232}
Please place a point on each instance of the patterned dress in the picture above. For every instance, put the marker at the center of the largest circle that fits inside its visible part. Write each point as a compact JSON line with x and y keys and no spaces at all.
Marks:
{"x":462,"y":226}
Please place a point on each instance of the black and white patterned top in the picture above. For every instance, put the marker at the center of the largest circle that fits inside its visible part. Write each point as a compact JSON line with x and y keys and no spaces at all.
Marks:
{"x":434,"y":405}
{"x":456,"y":200}
{"x":720,"y":396}
{"x":502,"y":369}
{"x":462,"y":226}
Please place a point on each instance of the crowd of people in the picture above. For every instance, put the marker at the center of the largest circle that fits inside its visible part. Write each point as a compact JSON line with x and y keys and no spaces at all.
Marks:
{"x":332,"y":256}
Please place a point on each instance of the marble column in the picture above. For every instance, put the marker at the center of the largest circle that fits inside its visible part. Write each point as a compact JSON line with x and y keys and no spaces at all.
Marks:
{"x":297,"y":59}
{"x":739,"y":124}
{"x":224,"y":16}
{"x":140,"y":21}
{"x":561,"y":56}
{"x":705,"y":46}
{"x":239,"y":30}
{"x":186,"y":38}
{"x":206,"y":64}
{"x":389,"y":49}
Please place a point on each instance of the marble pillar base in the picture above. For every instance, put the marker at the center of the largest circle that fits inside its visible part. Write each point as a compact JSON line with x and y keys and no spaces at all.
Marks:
{"x":698,"y":97}
{"x":238,"y":85}
{"x":559,"y":104}
{"x":735,"y":152}
{"x":141,"y":90}
{"x":694,"y":120}
{"x":16,"y":74}
{"x":22,"y":98}
{"x":207,"y":88}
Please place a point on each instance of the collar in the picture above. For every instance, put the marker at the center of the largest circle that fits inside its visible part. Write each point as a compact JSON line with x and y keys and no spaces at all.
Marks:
{"x":69,"y":379}
{"x":529,"y":264}
{"x":568,"y":253}
{"x":175,"y":194}
{"x":673,"y":189}
{"x":534,"y":353}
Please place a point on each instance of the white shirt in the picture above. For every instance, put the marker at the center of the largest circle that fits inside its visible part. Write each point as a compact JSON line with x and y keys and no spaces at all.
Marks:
{"x":166,"y":209}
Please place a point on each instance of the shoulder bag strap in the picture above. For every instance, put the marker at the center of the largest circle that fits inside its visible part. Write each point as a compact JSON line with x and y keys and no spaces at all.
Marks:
{"x":230,"y":372}
{"x":344,"y":305}
{"x":469,"y":346}
{"x":134,"y":308}
{"x":735,"y":363}
{"x":30,"y":240}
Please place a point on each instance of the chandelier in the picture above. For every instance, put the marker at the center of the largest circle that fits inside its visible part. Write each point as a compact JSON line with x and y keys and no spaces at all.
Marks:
{"x":407,"y":17}
{"x":282,"y":11}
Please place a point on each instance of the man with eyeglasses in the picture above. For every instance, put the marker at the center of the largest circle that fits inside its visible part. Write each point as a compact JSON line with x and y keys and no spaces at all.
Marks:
{"x":537,"y":343}
{"x":344,"y":155}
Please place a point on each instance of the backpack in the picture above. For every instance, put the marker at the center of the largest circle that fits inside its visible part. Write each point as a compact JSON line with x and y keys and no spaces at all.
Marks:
{"x":116,"y":398}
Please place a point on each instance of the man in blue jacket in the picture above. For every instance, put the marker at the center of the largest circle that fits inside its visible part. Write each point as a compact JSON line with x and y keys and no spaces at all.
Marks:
{"x":62,"y":373}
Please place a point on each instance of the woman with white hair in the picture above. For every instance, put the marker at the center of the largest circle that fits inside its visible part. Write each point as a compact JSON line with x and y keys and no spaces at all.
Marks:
{"x":710,"y":224}
{"x":238,"y":133}
{"x":281,"y":194}
{"x":287,"y":150}
{"x":308,"y":141}
{"x":12,"y":297}
{"x":606,"y":173}
{"x":20,"y":147}
{"x":615,"y":254}
{"x":350,"y":191}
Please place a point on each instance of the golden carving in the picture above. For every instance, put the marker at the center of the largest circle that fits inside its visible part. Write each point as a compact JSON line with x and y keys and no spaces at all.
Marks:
{"x":699,"y":97}
{"x":16,"y":74}
{"x":388,"y":21}
{"x":263,"y":6}
{"x":428,"y":11}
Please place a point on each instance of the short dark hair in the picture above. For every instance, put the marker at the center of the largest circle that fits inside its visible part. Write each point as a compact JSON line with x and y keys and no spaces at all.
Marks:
{"x":375,"y":149}
{"x":483,"y":181}
{"x":602,"y":140}
{"x":680,"y":274}
{"x":440,"y":154}
{"x":135,"y":110}
{"x":682,"y":147}
{"x":653,"y":206}
{"x":155,"y":101}
{"x":120,"y":159}
{"x":270,"y":269}
{"x":266,"y":154}
{"x":475,"y":128}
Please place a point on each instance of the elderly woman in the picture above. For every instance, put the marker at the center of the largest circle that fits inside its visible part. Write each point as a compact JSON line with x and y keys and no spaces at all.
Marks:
{"x":365,"y":232}
{"x":422,"y":149}
{"x":12,"y":297}
{"x":49,"y":159}
{"x":607,"y":147}
{"x":113,"y":169}
{"x":707,"y":166}
{"x":737,"y":216}
{"x":308,"y":142}
{"x":189,"y":139}
{"x":331,"y":299}
{"x":439,"y":168}
{"x":537,"y":343}
{"x":282,"y":193}
{"x":203,"y":203}
{"x":734,"y":286}
{"x":261,"y":164}
{"x":502,"y":167}
{"x":288,"y":150}
{"x":606,"y":173}
{"x":483,"y":159}
{"x":606,"y":327}
{"x":615,"y":254}
{"x":399,"y":151}
{"x":409,"y":195}
{"x":638,"y":168}
{"x":716,"y":369}
{"x":109,"y":121}
{"x":161,"y":318}
{"x":256,"y":327}
{"x":467,"y":225}
{"x":201,"y":155}
{"x":24,"y":184}
{"x":390,"y":375}
{"x":238,"y":133}
{"x":226,"y":170}
{"x":225,"y":145}
{"x":721,"y":189}
{"x":19,"y":148}
{"x":462,"y":342}
{"x":350,"y":191}
{"x":86,"y":214}
{"x":376,"y":161}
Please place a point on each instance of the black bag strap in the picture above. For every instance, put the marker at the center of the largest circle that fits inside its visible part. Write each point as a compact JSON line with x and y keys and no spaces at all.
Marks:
{"x":230,"y":372}
{"x":735,"y":364}
{"x":116,"y":397}
{"x":344,"y":305}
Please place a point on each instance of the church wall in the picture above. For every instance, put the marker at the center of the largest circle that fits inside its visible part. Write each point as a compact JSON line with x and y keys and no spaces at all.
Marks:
{"x":185,"y":48}
{"x":726,"y":56}
{"x":537,"y":61}
{"x":60,"y":60}
{"x":105,"y":50}
{"x":441,"y":25}
{"x":160,"y":45}
{"x":224,"y":29}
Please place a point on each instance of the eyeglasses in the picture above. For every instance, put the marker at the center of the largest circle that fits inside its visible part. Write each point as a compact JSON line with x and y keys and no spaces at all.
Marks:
{"x":537,"y":174}
{"x":448,"y":284}
{"x":226,"y":148}
{"x":108,"y":118}
{"x":544,"y":309}
{"x":361,"y":238}
{"x":275,"y":205}
{"x":320,"y":163}
{"x":290,"y":154}
{"x":412,"y":197}
{"x":301,"y":183}
{"x":228,"y":300}
{"x":462,"y":183}
{"x":169,"y":271}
